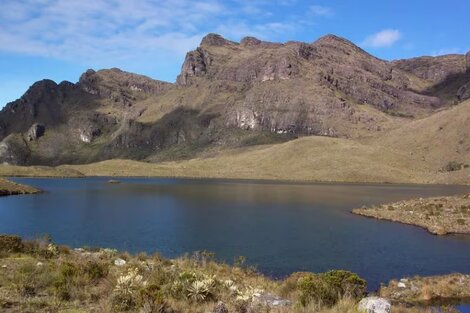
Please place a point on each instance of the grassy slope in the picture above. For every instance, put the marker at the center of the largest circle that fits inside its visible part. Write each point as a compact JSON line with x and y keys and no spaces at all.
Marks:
{"x":308,"y":158}
{"x":413,"y":153}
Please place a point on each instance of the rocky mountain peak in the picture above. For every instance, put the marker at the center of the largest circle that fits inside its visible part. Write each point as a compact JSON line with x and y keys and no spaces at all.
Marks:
{"x":115,"y":82}
{"x":216,"y":40}
{"x":333,"y":40}
{"x":250,"y":42}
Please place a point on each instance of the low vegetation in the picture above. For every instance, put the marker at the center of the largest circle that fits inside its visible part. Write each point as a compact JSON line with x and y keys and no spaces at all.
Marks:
{"x":427,"y":290}
{"x":39,"y":276}
{"x":10,"y":188}
{"x":454,"y":166}
{"x":439,"y":216}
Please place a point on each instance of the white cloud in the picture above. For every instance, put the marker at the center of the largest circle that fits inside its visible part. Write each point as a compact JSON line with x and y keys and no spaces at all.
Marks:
{"x":321,"y":10}
{"x":445,"y":51}
{"x":384,"y":38}
{"x":94,"y":30}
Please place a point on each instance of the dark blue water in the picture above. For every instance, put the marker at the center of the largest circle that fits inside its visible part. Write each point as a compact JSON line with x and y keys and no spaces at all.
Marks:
{"x":280,"y":228}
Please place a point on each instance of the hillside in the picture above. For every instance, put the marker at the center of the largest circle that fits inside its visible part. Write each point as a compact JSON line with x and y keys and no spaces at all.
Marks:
{"x":419,"y":152}
{"x":251,"y":104}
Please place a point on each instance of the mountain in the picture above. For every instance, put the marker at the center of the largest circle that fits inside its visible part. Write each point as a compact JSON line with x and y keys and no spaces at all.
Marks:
{"x":231,"y":95}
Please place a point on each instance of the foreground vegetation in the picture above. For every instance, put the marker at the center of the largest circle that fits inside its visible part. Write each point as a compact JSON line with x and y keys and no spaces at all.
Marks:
{"x":38,"y":276}
{"x":439,"y":216}
{"x":422,"y":290}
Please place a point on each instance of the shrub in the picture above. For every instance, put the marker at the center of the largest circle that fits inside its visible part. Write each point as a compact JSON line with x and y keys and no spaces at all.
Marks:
{"x":96,"y":270}
{"x":328,"y":288}
{"x":65,"y":280}
{"x":10,"y":243}
{"x":454,"y":166}
{"x":127,"y":286}
{"x":345,"y":283}
{"x":313,"y":289}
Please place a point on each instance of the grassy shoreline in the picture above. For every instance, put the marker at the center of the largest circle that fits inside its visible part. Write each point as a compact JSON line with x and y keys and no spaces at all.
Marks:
{"x":8,"y":188}
{"x":73,"y":171}
{"x":439,"y":215}
{"x":38,"y":276}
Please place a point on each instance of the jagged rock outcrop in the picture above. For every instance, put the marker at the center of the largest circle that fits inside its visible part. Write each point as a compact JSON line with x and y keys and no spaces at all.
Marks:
{"x":271,"y":91}
{"x":433,"y":69}
{"x":35,"y":131}
{"x":195,"y":64}
{"x":119,"y":86}
{"x":464,"y":92}
{"x":216,"y":40}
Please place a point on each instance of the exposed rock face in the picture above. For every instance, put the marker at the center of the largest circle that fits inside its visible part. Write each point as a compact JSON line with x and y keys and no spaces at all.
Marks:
{"x":467,"y":59}
{"x":36,"y":131}
{"x":195,"y":64}
{"x":374,"y":305}
{"x":119,"y":86}
{"x":433,"y":69}
{"x":250,"y":42}
{"x":464,"y":92}
{"x":329,"y":88}
{"x":88,"y":134}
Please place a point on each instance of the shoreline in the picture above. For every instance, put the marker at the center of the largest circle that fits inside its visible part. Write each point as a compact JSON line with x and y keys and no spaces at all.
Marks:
{"x":9,"y":188}
{"x":273,"y":181}
{"x":90,"y":279}
{"x":438,"y":215}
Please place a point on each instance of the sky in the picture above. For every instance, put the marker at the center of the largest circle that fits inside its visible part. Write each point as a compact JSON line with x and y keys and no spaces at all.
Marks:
{"x":60,"y":39}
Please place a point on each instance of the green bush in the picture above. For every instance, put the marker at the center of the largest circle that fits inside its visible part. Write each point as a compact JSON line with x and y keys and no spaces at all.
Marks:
{"x":96,"y":270}
{"x":65,"y":280}
{"x":328,"y":288}
{"x":10,"y":243}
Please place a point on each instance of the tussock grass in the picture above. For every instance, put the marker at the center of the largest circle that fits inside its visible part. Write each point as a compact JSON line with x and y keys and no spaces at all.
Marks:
{"x":39,"y":276}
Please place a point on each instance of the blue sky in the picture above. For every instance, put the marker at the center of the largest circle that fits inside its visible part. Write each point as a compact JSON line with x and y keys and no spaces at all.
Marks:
{"x":60,"y":39}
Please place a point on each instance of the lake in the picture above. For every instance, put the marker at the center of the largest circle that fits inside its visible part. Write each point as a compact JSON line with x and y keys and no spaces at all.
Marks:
{"x":279,"y":227}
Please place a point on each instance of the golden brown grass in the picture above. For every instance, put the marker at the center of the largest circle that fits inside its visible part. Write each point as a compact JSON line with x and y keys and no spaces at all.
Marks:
{"x":423,"y":290}
{"x":10,"y":188}
{"x":38,"y":276}
{"x":439,"y":216}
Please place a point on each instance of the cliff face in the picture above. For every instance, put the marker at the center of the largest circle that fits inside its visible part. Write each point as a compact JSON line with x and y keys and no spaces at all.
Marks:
{"x":228,"y":94}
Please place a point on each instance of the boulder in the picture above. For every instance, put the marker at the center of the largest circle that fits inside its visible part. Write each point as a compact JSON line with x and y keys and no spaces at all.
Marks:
{"x":119,"y":262}
{"x":269,"y":300}
{"x":374,"y":305}
{"x":36,"y":131}
{"x":464,"y":92}
{"x":88,"y":133}
{"x":220,"y":308}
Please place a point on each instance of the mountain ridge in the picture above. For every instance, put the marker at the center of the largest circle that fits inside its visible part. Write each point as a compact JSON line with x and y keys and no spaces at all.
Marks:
{"x":229,"y":95}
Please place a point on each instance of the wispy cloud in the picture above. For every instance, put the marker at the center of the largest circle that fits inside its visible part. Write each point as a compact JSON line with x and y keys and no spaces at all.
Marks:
{"x":119,"y":29}
{"x":445,"y":51}
{"x":321,"y":10}
{"x":384,"y":38}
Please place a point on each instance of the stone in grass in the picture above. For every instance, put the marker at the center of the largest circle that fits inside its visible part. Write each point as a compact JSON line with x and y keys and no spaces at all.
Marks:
{"x":220,"y":308}
{"x":374,"y":305}
{"x":119,"y":262}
